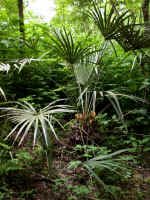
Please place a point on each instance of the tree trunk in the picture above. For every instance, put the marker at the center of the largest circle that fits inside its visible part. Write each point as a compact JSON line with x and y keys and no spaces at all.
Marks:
{"x":145,"y":10}
{"x":21,"y":19}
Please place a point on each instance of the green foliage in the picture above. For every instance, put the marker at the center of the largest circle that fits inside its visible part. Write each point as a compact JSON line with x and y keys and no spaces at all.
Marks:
{"x":103,"y":76}
{"x":101,"y":159}
{"x":130,"y":4}
{"x":5,"y":193}
{"x":7,"y":163}
{"x":89,"y":151}
{"x":66,"y":47}
{"x":107,"y":125}
{"x":81,"y":190}
{"x":45,"y":85}
{"x":14,"y":166}
{"x":98,"y":163}
{"x":107,"y":23}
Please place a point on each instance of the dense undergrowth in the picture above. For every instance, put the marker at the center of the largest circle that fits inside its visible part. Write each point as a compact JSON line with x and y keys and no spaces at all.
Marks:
{"x":75,"y":125}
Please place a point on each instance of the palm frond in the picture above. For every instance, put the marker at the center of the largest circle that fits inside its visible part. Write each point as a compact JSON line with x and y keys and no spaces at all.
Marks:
{"x":83,"y":73}
{"x":106,"y":162}
{"x":131,"y":35}
{"x":103,"y":157}
{"x":87,"y":100}
{"x":3,"y":94}
{"x":66,"y":47}
{"x":4,"y":67}
{"x":28,"y":118}
{"x":115,"y":103}
{"x":107,"y":22}
{"x":99,"y":180}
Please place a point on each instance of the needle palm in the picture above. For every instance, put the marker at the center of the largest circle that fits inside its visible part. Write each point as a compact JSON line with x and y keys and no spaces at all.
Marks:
{"x":26,"y":117}
{"x":67,"y":48}
{"x":106,"y":21}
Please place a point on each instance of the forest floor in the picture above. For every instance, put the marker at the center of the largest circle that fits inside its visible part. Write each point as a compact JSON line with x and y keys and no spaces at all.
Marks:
{"x":65,"y":183}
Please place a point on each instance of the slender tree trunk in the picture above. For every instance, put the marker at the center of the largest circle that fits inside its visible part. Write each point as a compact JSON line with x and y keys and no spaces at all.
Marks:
{"x":145,"y":10}
{"x":21,"y":19}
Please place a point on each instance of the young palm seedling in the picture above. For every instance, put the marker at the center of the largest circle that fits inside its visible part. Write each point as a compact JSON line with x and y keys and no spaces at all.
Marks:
{"x":40,"y":123}
{"x":26,"y":117}
{"x":108,"y":162}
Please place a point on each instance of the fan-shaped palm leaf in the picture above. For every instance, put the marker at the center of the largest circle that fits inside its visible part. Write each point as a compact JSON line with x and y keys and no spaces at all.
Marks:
{"x":130,"y":35}
{"x":66,"y":47}
{"x":86,"y":69}
{"x":82,"y":73}
{"x":106,"y":21}
{"x":106,"y":162}
{"x":27,"y":117}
